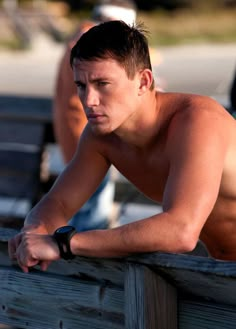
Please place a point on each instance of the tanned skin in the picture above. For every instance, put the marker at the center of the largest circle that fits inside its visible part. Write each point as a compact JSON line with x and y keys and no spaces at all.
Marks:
{"x":178,"y":149}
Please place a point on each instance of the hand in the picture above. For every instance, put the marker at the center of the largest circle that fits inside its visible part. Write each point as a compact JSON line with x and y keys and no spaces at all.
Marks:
{"x":14,"y":242}
{"x":30,"y":249}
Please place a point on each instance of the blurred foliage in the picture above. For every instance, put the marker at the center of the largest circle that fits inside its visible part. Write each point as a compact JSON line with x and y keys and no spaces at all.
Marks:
{"x":171,"y":22}
{"x":160,"y":4}
{"x":185,"y":25}
{"x":147,"y":5}
{"x":188,"y":26}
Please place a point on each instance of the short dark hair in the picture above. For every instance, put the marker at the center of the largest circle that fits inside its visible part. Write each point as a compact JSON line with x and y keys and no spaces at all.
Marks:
{"x":128,"y":45}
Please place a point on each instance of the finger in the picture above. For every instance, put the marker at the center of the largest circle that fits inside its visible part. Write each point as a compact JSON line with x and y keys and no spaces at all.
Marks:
{"x":24,"y":259}
{"x":25,"y":269}
{"x":44,"y":265}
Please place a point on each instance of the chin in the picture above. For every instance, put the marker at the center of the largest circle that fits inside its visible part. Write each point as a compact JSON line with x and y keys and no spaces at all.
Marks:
{"x":100,"y":131}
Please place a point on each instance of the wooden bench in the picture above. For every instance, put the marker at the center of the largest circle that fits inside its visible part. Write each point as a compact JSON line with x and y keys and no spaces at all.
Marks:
{"x":27,"y":130}
{"x":21,"y":152}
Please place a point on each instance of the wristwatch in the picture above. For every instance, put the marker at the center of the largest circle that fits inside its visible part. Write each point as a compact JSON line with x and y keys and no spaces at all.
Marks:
{"x":63,"y":236}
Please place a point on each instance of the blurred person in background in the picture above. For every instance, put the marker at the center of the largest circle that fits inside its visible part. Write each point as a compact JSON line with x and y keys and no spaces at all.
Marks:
{"x":232,"y":95}
{"x":69,"y":119}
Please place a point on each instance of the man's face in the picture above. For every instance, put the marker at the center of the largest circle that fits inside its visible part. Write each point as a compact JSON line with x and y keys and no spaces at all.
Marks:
{"x":109,"y":97}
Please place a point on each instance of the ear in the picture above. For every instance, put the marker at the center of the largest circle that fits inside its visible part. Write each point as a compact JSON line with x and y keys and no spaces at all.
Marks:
{"x":145,"y":81}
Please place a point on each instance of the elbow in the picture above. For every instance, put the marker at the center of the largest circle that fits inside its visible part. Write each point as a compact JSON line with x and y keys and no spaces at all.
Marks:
{"x":187,"y":241}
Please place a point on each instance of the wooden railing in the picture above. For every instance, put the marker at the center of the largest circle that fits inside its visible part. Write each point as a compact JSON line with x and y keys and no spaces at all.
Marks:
{"x":151,"y":291}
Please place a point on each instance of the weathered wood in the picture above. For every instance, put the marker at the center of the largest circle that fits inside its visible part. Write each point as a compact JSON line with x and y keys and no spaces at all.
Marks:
{"x":49,"y":301}
{"x":197,"y":313}
{"x":110,"y":271}
{"x":146,"y":282}
{"x":150,"y":301}
{"x":199,"y":276}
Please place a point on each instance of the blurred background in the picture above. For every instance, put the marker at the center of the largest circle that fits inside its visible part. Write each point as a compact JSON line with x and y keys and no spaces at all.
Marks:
{"x":193,"y":43}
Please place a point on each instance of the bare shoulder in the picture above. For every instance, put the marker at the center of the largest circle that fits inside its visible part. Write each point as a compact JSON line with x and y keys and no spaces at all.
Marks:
{"x":200,"y":110}
{"x":199,"y":119}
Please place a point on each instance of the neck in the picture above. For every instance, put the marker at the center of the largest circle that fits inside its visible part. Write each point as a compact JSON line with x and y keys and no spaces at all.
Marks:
{"x":144,"y":125}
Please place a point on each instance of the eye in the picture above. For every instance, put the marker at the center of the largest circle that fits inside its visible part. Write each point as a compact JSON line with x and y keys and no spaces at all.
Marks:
{"x":102,"y":83}
{"x":80,"y":85}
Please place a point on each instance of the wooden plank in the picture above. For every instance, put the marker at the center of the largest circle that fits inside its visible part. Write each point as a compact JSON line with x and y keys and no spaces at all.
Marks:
{"x":197,"y":313}
{"x":106,"y":270}
{"x":40,"y":300}
{"x":199,"y":276}
{"x":150,"y":301}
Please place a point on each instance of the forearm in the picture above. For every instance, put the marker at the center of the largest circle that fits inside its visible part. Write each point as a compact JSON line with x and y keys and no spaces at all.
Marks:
{"x":156,"y":233}
{"x":40,"y":218}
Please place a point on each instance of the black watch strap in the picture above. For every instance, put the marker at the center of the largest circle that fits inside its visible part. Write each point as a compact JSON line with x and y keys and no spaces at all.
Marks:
{"x":63,"y":236}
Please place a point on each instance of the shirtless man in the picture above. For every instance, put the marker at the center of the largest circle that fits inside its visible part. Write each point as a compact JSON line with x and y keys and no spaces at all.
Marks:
{"x":178,"y":149}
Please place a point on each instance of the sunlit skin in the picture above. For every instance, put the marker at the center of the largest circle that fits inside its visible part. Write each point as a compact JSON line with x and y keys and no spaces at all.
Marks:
{"x":178,"y":149}
{"x":105,"y":95}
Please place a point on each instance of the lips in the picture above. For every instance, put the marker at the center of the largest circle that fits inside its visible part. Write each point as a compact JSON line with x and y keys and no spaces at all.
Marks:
{"x":95,"y":118}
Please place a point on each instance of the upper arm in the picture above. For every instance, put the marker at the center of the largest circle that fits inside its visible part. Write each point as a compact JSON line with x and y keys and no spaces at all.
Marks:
{"x":197,"y":145}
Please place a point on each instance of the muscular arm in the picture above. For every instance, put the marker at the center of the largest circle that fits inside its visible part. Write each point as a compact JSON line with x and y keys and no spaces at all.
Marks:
{"x":71,"y":190}
{"x":197,"y":146}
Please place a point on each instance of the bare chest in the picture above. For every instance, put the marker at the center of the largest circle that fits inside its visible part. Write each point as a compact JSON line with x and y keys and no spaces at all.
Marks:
{"x":148,"y":171}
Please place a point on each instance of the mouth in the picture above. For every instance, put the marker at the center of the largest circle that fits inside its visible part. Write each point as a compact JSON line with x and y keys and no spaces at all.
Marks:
{"x":95,"y":118}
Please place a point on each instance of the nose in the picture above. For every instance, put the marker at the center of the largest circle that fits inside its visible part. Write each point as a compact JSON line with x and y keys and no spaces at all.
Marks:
{"x":91,"y":98}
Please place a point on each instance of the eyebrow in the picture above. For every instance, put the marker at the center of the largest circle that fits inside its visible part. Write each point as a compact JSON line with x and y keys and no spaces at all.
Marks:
{"x":91,"y":81}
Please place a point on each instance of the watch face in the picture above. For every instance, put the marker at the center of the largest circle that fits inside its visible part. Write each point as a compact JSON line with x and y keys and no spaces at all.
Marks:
{"x":65,"y":229}
{"x":63,"y":236}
